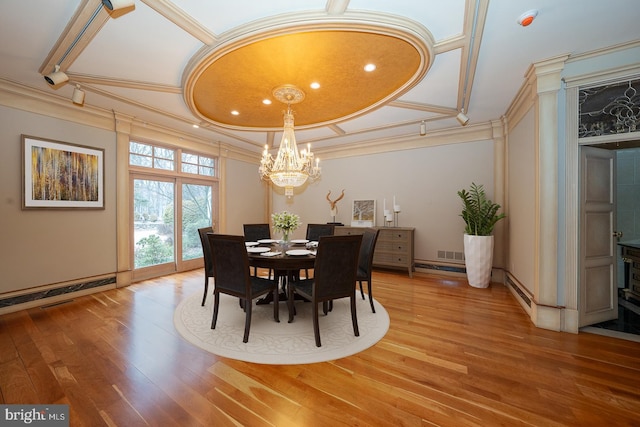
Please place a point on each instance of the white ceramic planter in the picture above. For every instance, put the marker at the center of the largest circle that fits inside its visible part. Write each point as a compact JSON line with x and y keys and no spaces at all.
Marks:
{"x":478,"y":254}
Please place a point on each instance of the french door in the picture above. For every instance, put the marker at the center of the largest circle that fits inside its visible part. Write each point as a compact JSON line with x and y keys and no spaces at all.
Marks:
{"x":167,"y":212}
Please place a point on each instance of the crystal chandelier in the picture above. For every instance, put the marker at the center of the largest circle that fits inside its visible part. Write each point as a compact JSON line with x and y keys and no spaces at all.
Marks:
{"x":290,"y":168}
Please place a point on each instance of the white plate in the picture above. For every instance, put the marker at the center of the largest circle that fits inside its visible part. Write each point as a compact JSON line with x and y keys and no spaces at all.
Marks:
{"x":299,"y":241}
{"x":267,"y":241}
{"x":271,"y":253}
{"x":247,"y":244}
{"x":298,"y":252}
{"x":258,"y":250}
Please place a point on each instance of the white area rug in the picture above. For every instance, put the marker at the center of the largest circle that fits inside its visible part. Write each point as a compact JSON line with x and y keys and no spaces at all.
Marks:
{"x":280,"y":343}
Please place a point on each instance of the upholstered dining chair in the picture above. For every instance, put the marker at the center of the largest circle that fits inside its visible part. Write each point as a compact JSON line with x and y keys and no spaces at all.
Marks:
{"x":314,"y":231}
{"x":365,"y":261}
{"x":334,"y":278}
{"x":231,"y":270}
{"x":255,"y":232}
{"x":208,"y":262}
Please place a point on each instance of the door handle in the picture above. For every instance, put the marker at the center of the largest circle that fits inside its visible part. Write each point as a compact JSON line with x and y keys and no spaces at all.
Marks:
{"x":617,"y":234}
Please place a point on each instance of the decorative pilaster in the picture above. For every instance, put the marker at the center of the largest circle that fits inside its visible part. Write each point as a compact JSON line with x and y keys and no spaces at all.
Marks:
{"x":546,"y":311}
{"x":122,"y":125}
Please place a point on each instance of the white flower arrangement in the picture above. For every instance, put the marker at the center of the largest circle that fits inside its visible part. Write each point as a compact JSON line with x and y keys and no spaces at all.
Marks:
{"x":285,"y":222}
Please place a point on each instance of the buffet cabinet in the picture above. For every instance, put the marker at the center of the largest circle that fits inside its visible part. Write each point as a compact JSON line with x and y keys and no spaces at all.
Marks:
{"x":631,"y":257}
{"x":394,"y":248}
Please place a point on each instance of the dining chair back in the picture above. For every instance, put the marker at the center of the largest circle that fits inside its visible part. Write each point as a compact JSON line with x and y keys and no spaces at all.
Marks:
{"x":365,"y":261}
{"x":255,"y":232}
{"x":208,"y":262}
{"x":232,"y":277}
{"x":334,"y":278}
{"x":314,"y":231}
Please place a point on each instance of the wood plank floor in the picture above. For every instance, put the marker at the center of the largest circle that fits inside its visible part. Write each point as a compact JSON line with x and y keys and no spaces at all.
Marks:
{"x":453,"y":356}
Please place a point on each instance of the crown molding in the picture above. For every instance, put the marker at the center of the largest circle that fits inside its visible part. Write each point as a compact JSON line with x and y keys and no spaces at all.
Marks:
{"x":17,"y":96}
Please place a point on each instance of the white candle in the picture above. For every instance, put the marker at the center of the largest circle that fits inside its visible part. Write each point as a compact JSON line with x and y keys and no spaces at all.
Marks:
{"x":394,"y":200}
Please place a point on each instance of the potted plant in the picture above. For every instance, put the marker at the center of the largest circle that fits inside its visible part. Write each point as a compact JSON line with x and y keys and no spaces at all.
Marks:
{"x":480,"y":216}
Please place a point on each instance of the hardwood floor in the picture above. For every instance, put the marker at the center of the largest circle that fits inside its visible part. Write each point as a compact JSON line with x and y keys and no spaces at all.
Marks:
{"x":453,"y":356}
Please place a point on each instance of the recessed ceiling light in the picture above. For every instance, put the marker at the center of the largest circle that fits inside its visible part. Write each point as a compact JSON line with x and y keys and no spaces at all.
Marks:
{"x":369,"y":67}
{"x":266,"y":101}
{"x":235,"y":113}
{"x":315,"y":85}
{"x":196,"y":125}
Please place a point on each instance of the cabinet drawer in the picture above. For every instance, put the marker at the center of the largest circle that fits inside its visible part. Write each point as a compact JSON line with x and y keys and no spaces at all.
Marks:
{"x":394,"y":235}
{"x":347,"y":231}
{"x":391,"y":246}
{"x":391,"y":259}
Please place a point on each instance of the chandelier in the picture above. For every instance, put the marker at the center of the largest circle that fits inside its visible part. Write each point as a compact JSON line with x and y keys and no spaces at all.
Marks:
{"x":290,"y":168}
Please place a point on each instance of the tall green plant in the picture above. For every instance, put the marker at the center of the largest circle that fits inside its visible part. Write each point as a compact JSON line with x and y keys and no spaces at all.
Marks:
{"x":479,"y":213}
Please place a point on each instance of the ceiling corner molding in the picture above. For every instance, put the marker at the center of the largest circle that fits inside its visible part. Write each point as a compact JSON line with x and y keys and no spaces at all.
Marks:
{"x":456,"y":135}
{"x":20,"y":97}
{"x":446,"y":111}
{"x":129,"y":84}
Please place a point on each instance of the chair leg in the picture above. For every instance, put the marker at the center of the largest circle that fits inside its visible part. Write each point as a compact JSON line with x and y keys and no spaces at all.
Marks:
{"x":206,"y":288}
{"x":361,"y":291}
{"x":216,"y":304}
{"x":276,"y":304}
{"x":247,"y":322}
{"x":371,"y":297}
{"x":316,"y":326}
{"x":354,"y":318}
{"x":290,"y":306}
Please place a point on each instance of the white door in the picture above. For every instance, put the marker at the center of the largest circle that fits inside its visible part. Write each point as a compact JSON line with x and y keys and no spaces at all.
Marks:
{"x":598,"y":286}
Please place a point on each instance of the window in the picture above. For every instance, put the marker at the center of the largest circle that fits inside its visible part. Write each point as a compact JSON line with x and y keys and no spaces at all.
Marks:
{"x":173,"y":193}
{"x":148,"y":156}
{"x":197,"y":164}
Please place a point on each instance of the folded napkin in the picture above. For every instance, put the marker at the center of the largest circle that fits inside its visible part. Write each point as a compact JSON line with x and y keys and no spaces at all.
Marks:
{"x":270,"y":253}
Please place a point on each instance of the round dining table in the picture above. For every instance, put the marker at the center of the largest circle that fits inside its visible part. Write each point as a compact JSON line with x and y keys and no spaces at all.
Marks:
{"x":286,"y":265}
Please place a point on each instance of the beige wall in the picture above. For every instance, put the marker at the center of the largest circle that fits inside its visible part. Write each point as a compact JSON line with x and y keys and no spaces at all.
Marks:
{"x":424,"y":181}
{"x":41,"y":247}
{"x":245,"y":196}
{"x":74,"y":245}
{"x":522,"y":201}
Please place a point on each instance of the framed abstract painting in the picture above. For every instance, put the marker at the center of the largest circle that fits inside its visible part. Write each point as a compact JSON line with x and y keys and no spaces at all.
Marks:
{"x":364,"y":213}
{"x":61,"y":175}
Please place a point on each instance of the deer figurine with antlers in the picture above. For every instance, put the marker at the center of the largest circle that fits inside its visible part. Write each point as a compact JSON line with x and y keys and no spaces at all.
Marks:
{"x":333,"y":204}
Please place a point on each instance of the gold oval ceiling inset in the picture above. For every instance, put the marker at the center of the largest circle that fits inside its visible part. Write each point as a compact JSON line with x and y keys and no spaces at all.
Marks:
{"x":240,"y":75}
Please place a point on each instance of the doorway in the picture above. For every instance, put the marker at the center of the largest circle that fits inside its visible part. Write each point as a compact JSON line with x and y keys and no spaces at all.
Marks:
{"x":627,"y":201}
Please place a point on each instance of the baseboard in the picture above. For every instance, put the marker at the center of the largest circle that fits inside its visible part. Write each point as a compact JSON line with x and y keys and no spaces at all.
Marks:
{"x":54,"y":293}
